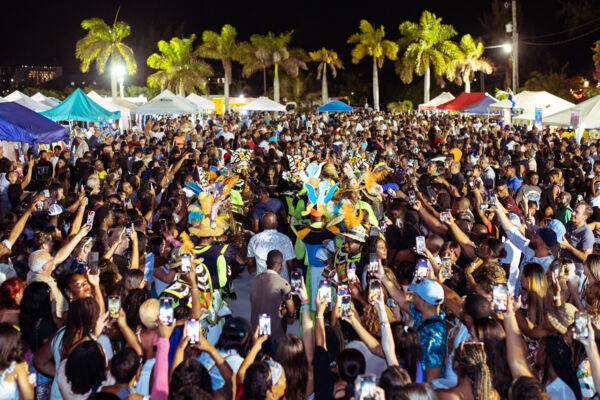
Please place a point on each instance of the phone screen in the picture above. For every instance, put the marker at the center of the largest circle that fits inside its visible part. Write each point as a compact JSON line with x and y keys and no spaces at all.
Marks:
{"x":345,"y":305}
{"x":192,"y":329}
{"x":93,"y":259}
{"x":186,"y":263}
{"x":374,"y":290}
{"x":351,"y":272}
{"x":296,"y":281}
{"x":422,"y":269}
{"x":366,"y":387}
{"x":446,"y":267}
{"x":373,"y":263}
{"x":166,"y":311}
{"x":500,"y":297}
{"x":325,"y":292}
{"x":581,"y":324}
{"x":128,"y":228}
{"x":411,"y":197}
{"x":264,"y":325}
{"x":90,"y":218}
{"x":114,"y":307}
{"x":420,"y":244}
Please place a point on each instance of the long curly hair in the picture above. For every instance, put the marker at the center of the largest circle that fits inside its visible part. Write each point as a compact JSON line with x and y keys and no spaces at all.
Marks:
{"x":370,"y":318}
{"x":471,"y":363}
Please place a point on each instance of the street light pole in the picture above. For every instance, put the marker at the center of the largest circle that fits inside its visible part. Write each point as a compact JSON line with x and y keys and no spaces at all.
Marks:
{"x":515,"y":49}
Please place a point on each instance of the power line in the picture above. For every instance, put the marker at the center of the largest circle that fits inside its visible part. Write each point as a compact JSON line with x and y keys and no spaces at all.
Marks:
{"x":561,"y":41}
{"x":564,"y":31}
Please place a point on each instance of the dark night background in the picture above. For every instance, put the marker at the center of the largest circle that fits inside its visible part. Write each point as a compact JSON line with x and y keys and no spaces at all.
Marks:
{"x":44,"y":33}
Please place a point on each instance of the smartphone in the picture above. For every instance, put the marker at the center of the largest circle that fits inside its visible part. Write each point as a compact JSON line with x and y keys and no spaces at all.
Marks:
{"x":373,"y":263}
{"x":114,"y":307}
{"x":343,"y":290}
{"x":351,"y":273}
{"x":296,"y":281}
{"x":264,"y":325}
{"x":186,"y":263}
{"x":422,"y":269}
{"x":93,"y":259}
{"x":374,"y":290}
{"x":445,"y":216}
{"x":192,"y":329}
{"x":484,"y":206}
{"x":412,"y":198}
{"x":581,"y":324}
{"x":492,"y":196}
{"x":325,"y":291}
{"x":557,"y":271}
{"x":345,"y":305}
{"x":163,"y":225}
{"x":399,"y":223}
{"x":446,"y":267}
{"x":165,"y":312}
{"x":90,"y":218}
{"x":390,"y":302}
{"x":128,"y":227}
{"x":420,"y":244}
{"x":40,"y":205}
{"x":500,"y":298}
{"x":365,"y":387}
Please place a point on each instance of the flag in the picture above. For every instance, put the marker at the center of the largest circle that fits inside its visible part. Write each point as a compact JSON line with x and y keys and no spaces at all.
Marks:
{"x":511,"y":99}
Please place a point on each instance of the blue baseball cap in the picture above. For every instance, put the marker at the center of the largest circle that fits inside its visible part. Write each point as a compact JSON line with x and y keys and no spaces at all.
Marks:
{"x":558,"y":228}
{"x":430,"y":291}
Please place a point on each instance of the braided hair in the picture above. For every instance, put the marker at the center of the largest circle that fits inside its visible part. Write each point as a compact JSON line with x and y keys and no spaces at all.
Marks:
{"x":472,"y":364}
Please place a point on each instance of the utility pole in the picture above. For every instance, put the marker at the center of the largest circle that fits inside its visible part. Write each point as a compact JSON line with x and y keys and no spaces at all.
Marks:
{"x":515,"y":49}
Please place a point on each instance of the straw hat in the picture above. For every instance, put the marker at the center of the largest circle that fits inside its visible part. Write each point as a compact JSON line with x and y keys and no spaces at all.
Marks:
{"x":357,"y":232}
{"x":208,"y":228}
{"x":562,"y":317}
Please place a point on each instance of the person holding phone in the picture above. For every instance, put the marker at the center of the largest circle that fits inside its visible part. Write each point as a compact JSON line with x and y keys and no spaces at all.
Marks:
{"x":271,"y":294}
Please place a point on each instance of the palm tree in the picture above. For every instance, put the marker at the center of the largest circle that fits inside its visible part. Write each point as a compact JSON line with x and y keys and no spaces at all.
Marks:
{"x":325,"y":57}
{"x":272,"y":50}
{"x":400,"y":106}
{"x":104,"y":43}
{"x":370,"y":42}
{"x":222,"y":47}
{"x":472,"y":61}
{"x":427,"y":45}
{"x":179,"y":67}
{"x":255,"y":59}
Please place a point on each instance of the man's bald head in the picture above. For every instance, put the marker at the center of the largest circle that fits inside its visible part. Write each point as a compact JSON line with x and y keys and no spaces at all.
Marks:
{"x":269,"y":221}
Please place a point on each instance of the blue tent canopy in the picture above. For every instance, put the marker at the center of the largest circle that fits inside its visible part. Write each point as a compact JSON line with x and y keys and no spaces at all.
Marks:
{"x":335,"y":106}
{"x":20,"y":124}
{"x":481,"y":107}
{"x":79,"y":107}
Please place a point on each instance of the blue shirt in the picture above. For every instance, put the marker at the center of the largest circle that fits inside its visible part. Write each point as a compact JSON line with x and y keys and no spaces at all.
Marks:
{"x":513,"y":183}
{"x":433,"y":337}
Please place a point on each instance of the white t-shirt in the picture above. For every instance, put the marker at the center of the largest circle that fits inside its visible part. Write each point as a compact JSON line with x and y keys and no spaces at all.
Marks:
{"x":559,"y":390}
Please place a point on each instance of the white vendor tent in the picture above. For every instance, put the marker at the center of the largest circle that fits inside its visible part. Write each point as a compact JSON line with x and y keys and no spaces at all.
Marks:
{"x":263,"y":104}
{"x":202,"y":102}
{"x":124,"y":121}
{"x":442,"y":98}
{"x":167,"y":103}
{"x":588,"y":113}
{"x":528,"y":101}
{"x":40,"y":98}
{"x":26,"y":101}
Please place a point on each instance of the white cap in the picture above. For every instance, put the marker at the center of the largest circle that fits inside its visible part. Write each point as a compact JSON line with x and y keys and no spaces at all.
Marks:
{"x":55,"y":209}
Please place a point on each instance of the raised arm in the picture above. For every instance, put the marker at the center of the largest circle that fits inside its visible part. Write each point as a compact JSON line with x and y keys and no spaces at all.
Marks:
{"x":430,"y":220}
{"x":135,"y":254}
{"x":387,"y":340}
{"x":129,"y":336}
{"x":515,"y":353}
{"x":77,"y":221}
{"x":64,"y":252}
{"x":258,"y":342}
{"x":591,"y":350}
{"x":27,"y":179}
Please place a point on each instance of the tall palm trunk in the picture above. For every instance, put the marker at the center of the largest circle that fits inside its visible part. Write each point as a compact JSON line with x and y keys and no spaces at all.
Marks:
{"x":276,"y":84}
{"x":375,"y":86}
{"x":467,"y":83}
{"x":324,"y":91}
{"x":181,"y":91}
{"x":113,"y":85}
{"x":427,"y":84}
{"x":227,"y":69}
{"x":264,"y":81}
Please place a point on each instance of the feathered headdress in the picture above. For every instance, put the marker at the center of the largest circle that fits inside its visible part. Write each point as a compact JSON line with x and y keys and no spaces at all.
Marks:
{"x":240,"y":159}
{"x":318,"y":197}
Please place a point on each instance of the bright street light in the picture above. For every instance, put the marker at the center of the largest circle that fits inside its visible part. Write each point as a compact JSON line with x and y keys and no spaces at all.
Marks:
{"x":507,"y":47}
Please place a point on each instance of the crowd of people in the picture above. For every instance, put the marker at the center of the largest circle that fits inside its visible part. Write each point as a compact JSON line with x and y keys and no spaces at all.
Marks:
{"x":415,"y":255}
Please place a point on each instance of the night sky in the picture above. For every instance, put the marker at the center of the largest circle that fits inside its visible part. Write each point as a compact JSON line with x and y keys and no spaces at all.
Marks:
{"x":36,"y":32}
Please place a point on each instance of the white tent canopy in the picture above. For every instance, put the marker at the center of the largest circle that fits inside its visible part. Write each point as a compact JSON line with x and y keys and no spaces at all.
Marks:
{"x":202,"y":102}
{"x":167,"y":103}
{"x":124,"y":121}
{"x":40,"y":98}
{"x":528,"y":101}
{"x":589,"y":115}
{"x":263,"y":104}
{"x":442,"y":98}
{"x":26,"y":101}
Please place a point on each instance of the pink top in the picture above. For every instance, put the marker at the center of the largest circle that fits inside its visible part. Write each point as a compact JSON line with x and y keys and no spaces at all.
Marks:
{"x":160,"y":388}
